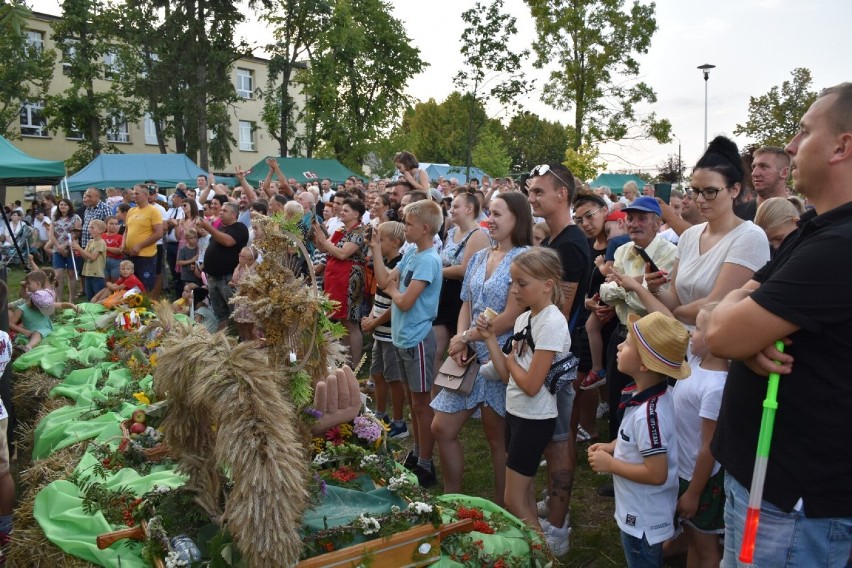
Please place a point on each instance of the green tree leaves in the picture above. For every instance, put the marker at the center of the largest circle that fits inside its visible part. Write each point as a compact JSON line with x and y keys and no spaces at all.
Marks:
{"x":773,"y":118}
{"x":25,"y":70}
{"x":595,"y":44}
{"x":356,"y":84}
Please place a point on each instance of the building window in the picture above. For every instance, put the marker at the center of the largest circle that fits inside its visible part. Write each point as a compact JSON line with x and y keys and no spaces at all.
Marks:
{"x":110,"y":66}
{"x":117,"y":131}
{"x":150,"y":130}
{"x":245,"y":83}
{"x":74,"y":133}
{"x":35,"y":39}
{"x":33,"y":122}
{"x":68,"y":54}
{"x":247,"y":136}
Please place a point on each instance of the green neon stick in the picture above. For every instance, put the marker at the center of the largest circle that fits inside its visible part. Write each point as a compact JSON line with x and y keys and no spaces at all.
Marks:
{"x":761,"y":462}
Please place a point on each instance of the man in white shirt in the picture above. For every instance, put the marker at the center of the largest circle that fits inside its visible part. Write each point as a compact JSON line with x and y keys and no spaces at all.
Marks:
{"x":171,"y":220}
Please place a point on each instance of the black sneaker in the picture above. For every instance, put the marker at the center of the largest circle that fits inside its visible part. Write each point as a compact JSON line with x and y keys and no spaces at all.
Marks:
{"x":606,"y":490}
{"x":425,"y":477}
{"x":410,"y":461}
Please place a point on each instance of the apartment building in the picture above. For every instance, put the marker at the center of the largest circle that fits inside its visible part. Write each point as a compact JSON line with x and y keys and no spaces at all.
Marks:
{"x":253,"y":141}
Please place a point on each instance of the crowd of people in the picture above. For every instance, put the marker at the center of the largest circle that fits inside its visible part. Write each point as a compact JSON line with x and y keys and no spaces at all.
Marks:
{"x":569,"y":304}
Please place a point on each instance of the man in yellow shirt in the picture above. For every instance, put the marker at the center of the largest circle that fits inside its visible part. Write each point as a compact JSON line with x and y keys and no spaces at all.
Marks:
{"x":144,"y":229}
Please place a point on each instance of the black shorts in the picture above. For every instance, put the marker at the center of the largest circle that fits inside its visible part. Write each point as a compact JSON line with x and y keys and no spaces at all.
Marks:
{"x":525,"y":442}
{"x":161,"y":255}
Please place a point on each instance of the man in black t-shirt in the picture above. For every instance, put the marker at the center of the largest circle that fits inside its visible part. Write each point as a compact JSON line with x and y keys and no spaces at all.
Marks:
{"x":222,"y":257}
{"x":801,"y":297}
{"x":551,"y":191}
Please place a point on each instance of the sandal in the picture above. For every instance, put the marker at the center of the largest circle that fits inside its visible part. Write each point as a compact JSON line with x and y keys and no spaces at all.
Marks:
{"x":593,"y":380}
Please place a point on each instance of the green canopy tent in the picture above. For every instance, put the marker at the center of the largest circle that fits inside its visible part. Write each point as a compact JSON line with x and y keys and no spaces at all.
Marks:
{"x":19,"y":169}
{"x":126,"y":170}
{"x":616,"y":181}
{"x":302,"y":170}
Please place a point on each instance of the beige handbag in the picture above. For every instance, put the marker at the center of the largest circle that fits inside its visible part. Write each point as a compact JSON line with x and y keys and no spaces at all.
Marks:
{"x":458,"y":378}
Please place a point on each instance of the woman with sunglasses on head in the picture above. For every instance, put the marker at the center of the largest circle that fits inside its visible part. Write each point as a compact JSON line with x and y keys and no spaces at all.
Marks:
{"x":717,"y":256}
{"x":486,"y":285}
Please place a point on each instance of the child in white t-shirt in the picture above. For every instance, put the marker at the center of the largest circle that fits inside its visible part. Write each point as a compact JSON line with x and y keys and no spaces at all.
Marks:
{"x":643,"y":458}
{"x":697,"y":400}
{"x":541,"y":339}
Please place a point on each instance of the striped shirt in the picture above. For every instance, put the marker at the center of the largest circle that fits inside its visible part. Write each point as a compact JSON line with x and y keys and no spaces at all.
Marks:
{"x":381,"y":304}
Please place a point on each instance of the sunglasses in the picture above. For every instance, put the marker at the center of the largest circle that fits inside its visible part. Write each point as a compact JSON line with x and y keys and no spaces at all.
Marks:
{"x":545,"y":168}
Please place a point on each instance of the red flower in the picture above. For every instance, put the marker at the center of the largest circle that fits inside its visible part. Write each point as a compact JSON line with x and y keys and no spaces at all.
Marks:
{"x":328,"y":546}
{"x":334,"y":436}
{"x":500,"y":564}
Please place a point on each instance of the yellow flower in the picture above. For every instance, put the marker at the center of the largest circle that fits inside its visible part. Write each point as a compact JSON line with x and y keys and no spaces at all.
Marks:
{"x":345,"y":431}
{"x":142,"y":397}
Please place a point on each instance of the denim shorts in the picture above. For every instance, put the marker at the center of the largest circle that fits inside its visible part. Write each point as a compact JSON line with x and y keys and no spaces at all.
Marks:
{"x":61,"y":262}
{"x":112,"y":268}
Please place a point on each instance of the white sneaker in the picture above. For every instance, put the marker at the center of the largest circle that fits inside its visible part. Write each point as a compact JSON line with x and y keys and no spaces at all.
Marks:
{"x":603,"y":410}
{"x":557,"y":539}
{"x":583,"y":436}
{"x":543,"y":509}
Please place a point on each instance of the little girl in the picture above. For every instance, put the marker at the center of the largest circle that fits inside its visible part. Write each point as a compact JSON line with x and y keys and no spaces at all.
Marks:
{"x":34,"y":324}
{"x":541,"y":339}
{"x":242,"y":315}
{"x":697,"y":400}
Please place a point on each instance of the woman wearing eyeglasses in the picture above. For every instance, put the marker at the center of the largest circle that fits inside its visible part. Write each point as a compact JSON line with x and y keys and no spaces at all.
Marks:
{"x":716,"y":256}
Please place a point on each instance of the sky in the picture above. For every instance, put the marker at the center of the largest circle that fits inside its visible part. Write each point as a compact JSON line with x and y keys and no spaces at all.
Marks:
{"x":754,"y":44}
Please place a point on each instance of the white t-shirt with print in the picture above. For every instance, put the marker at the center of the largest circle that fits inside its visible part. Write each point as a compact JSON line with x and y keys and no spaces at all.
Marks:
{"x":647,"y":429}
{"x":550,"y":333}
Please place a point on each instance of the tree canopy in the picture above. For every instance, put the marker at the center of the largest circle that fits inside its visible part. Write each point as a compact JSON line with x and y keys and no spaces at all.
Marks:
{"x":595,"y":44}
{"x":773,"y":118}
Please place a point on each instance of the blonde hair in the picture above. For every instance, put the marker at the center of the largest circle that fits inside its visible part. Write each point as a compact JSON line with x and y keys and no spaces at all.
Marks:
{"x":775,"y":211}
{"x":127,"y":263}
{"x":392,"y":229}
{"x":543,"y":264}
{"x":543,"y":228}
{"x":428,"y":212}
{"x":293,"y":208}
{"x":98,"y":224}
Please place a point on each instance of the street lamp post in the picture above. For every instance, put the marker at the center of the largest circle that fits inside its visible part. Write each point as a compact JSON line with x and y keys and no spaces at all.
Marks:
{"x":706,"y":69}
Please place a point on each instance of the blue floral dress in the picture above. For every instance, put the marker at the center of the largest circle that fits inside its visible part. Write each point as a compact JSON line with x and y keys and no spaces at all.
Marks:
{"x":482,"y":293}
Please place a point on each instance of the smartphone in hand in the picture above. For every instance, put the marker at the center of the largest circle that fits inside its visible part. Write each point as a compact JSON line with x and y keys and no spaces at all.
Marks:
{"x":646,"y":258}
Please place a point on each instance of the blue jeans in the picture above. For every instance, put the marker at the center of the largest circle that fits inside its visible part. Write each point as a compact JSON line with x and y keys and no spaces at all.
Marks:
{"x":93,"y":285}
{"x":784,"y":540}
{"x":640,"y":554}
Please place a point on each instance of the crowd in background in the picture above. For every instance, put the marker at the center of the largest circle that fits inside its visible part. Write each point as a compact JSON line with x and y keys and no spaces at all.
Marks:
{"x":434,"y":270}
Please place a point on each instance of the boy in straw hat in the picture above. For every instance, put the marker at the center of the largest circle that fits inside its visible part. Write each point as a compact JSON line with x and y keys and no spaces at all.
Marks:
{"x":643,"y":458}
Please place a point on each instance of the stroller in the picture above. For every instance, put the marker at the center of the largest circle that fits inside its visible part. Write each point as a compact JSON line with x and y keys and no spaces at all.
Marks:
{"x":9,"y":255}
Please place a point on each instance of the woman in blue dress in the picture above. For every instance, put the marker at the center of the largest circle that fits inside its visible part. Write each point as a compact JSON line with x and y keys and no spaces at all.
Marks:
{"x":486,"y":285}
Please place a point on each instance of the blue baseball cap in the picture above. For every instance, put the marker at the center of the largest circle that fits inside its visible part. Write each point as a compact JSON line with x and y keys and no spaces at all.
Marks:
{"x":646,"y":204}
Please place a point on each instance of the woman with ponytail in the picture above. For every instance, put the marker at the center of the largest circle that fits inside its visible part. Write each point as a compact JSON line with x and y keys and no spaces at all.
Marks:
{"x":717,"y":256}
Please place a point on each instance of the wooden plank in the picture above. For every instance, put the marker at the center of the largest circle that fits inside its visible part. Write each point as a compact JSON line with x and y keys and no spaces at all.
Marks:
{"x":395,"y":551}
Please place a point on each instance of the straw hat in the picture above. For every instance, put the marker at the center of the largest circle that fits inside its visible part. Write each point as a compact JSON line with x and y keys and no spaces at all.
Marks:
{"x":661,"y":342}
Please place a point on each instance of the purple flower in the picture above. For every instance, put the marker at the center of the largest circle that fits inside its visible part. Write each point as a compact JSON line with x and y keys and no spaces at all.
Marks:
{"x":317,"y":414}
{"x":367,"y":429}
